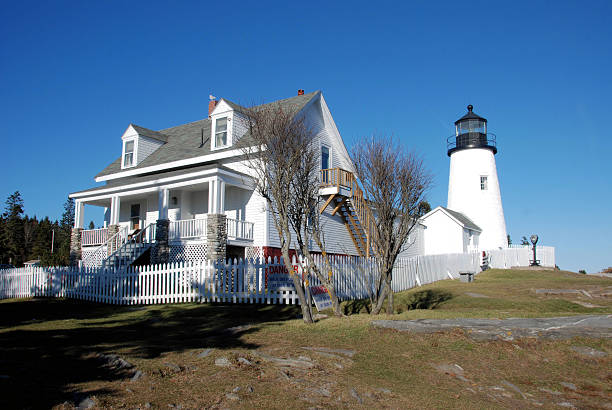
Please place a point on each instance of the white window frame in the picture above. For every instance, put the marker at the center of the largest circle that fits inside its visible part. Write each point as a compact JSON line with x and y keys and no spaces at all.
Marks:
{"x":228,"y":115}
{"x":134,"y":151}
{"x":329,"y":149}
{"x":484,"y":182}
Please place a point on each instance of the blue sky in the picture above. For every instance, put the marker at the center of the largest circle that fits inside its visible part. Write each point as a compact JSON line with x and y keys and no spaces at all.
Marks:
{"x":75,"y":74}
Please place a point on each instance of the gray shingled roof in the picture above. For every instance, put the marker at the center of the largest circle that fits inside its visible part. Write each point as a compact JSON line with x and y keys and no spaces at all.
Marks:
{"x":185,"y":141}
{"x":149,"y":133}
{"x":467,"y":222}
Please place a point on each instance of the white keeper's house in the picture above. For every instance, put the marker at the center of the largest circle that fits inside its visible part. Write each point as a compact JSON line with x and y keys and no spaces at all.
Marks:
{"x":184,"y":194}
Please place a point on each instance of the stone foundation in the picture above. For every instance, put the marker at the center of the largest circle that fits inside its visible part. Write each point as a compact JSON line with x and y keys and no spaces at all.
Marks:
{"x":75,"y":246}
{"x":216,"y":237}
{"x":114,"y":245}
{"x":161,"y":251}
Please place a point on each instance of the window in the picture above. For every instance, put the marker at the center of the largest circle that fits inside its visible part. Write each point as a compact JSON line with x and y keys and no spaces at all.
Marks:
{"x":135,"y":216}
{"x":324,"y":157}
{"x":221,"y":132}
{"x":128,"y":154}
{"x":484,"y":185}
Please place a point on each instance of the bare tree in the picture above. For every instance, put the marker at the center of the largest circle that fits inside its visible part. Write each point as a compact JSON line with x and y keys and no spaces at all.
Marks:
{"x":395,"y":183}
{"x":281,"y":153}
{"x":305,"y":218}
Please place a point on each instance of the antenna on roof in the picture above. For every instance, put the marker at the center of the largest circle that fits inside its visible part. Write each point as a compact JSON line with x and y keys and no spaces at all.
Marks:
{"x":202,"y":140}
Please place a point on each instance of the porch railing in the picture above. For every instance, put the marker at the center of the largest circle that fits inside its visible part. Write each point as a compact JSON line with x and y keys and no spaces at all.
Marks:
{"x":239,"y":229}
{"x":187,"y":228}
{"x":92,"y":237}
{"x":337,"y":177}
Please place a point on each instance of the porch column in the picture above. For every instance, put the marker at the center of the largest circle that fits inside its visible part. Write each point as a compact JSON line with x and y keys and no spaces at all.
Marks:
{"x":115,"y":210}
{"x":161,"y":252}
{"x":163,"y":202}
{"x":113,"y":226}
{"x":216,"y":228}
{"x":106,"y":216}
{"x":76,"y":233}
{"x":78,"y":214}
{"x":216,"y":196}
{"x":216,"y":237}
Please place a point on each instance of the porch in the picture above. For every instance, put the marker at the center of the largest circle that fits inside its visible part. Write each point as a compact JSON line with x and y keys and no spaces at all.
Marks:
{"x":185,"y":229}
{"x":204,"y":210}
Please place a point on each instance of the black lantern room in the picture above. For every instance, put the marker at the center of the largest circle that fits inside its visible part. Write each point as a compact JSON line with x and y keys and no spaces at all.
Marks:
{"x":471,"y":132}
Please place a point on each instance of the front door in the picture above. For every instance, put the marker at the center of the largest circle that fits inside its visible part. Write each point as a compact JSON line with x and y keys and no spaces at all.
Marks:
{"x":135,"y":216}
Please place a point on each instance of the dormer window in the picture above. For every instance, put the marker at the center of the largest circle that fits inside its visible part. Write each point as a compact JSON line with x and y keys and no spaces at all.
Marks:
{"x":128,"y":154}
{"x":221,"y":132}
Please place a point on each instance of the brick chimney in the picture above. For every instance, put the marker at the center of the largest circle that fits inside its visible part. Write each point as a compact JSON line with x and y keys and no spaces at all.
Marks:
{"x":300,"y":92}
{"x":211,"y":105}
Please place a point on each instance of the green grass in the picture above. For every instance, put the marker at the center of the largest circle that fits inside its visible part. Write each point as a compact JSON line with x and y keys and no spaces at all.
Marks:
{"x":49,"y":346}
{"x":509,"y":293}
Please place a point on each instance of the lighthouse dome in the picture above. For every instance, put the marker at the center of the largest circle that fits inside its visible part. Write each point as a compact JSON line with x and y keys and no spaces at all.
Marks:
{"x":471,"y":132}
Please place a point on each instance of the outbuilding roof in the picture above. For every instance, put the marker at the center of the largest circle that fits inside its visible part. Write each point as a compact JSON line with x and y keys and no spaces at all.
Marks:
{"x":467,"y":222}
{"x":460,"y":218}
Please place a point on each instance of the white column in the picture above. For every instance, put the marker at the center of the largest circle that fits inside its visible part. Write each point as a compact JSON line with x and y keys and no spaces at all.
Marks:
{"x":163,"y":201}
{"x":221,"y":196}
{"x":106,"y":216}
{"x":212,"y":202}
{"x":115,"y":208}
{"x":78,"y":214}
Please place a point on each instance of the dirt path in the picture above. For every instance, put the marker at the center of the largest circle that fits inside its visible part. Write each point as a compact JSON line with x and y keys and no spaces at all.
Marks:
{"x":599,"y":326}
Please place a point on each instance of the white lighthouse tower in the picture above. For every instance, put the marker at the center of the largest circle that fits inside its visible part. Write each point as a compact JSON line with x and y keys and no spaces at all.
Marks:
{"x":473,"y":186}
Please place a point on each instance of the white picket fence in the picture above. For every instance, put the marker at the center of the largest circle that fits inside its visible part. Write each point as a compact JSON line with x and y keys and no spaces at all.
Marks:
{"x":238,"y":281}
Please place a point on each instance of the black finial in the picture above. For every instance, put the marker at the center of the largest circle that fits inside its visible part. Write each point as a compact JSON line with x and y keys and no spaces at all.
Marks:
{"x":470,"y":107}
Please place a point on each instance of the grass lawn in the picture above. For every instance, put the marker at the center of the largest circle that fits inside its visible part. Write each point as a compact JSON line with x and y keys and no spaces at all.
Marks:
{"x":50,"y":352}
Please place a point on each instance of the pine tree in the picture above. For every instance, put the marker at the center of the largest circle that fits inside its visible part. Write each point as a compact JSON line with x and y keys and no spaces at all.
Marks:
{"x":62,"y":257}
{"x":14,"y":235}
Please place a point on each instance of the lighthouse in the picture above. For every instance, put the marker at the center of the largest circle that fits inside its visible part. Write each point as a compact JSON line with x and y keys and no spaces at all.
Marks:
{"x":473,"y":185}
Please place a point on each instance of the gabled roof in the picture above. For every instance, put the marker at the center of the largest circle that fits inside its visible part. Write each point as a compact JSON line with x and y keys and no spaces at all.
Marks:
{"x":185,"y":141}
{"x":150,"y":133}
{"x":460,"y":218}
{"x":235,"y":107}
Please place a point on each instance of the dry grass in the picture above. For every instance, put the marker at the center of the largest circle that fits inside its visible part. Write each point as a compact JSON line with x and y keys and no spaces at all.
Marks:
{"x":49,"y":353}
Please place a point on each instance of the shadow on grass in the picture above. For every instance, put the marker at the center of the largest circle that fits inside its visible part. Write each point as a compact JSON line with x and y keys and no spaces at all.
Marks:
{"x":40,"y":365}
{"x":352,"y":307}
{"x":423,"y":299}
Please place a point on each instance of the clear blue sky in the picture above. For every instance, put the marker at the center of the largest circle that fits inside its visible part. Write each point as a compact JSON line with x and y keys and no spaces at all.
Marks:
{"x":75,"y":74}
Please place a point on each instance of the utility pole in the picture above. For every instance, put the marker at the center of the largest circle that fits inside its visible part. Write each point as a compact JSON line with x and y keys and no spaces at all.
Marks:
{"x":52,"y":239}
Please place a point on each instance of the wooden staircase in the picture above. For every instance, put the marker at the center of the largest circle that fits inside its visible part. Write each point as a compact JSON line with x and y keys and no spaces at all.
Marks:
{"x":344,"y":194}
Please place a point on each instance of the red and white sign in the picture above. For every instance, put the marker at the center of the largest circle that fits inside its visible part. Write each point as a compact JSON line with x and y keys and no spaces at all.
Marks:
{"x":321,"y":297}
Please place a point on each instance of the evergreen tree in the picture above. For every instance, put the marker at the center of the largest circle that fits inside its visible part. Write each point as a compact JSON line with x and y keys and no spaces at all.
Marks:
{"x":62,"y":257}
{"x":14,"y":235}
{"x":41,"y":244}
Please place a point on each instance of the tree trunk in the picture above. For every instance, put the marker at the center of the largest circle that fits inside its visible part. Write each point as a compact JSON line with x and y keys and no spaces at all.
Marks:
{"x":327,"y":281}
{"x":379,"y":301}
{"x":389,"y":299}
{"x":299,"y":288}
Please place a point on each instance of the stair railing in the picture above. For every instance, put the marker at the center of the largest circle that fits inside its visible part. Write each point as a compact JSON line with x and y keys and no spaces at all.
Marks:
{"x":111,"y":244}
{"x":340,"y":178}
{"x":134,"y":246}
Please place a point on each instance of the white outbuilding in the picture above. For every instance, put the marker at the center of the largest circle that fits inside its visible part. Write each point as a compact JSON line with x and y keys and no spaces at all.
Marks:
{"x":449,"y":231}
